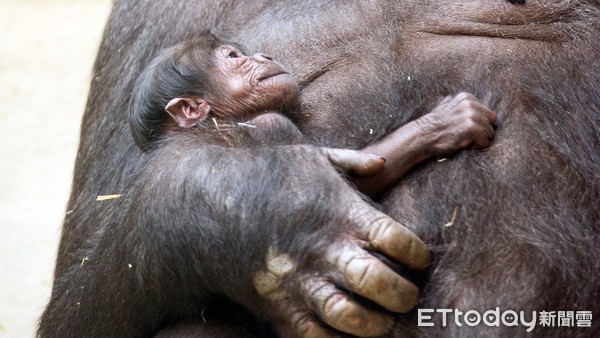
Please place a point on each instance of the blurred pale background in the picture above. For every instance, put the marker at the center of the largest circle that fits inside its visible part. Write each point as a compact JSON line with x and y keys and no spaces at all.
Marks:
{"x":47,"y":48}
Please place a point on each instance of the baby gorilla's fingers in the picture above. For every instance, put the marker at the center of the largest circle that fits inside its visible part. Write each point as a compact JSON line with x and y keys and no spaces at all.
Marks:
{"x":484,"y":136}
{"x":353,"y":162}
{"x":482,"y":120}
{"x":468,"y":102}
{"x":487,"y":133}
{"x":456,"y":124}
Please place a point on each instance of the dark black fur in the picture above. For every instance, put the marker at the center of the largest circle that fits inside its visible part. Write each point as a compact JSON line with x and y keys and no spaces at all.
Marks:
{"x":194,"y":218}
{"x":181,"y":70}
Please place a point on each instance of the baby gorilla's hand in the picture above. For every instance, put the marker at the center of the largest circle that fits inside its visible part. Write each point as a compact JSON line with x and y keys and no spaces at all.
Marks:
{"x":457,"y":122}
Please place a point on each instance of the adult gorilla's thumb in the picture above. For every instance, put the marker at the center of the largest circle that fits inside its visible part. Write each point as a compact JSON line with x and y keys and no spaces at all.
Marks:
{"x":354,"y":163}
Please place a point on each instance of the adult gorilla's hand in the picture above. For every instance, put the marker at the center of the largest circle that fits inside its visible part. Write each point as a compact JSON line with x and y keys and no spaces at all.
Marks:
{"x":353,"y":162}
{"x":313,"y":297}
{"x":278,"y":230}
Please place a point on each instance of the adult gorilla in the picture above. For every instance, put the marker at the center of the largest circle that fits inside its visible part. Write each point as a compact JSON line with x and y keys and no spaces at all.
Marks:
{"x":280,"y":233}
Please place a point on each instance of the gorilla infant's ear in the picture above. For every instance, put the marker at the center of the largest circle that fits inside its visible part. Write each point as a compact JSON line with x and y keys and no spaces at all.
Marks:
{"x":188,"y":111}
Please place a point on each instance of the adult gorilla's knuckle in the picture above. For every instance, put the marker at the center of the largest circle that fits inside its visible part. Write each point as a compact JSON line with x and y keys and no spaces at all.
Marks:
{"x":335,"y":304}
{"x":303,"y":322}
{"x":279,"y":264}
{"x":359,"y":271}
{"x":360,"y":213}
{"x":381,"y":227}
{"x":315,"y":287}
{"x":342,"y":313}
{"x":266,"y":283}
{"x":418,"y":250}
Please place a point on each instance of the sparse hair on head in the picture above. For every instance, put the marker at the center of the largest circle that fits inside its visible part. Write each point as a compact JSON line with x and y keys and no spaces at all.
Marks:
{"x":179,"y":70}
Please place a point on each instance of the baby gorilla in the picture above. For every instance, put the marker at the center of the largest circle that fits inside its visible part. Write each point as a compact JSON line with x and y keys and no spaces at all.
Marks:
{"x":245,"y":97}
{"x":207,"y":77}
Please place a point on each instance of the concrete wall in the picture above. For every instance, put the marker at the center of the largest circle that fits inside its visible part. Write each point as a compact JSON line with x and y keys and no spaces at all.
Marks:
{"x":46,"y":53}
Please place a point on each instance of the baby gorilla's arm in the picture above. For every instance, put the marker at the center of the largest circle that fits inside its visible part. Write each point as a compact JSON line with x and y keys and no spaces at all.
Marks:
{"x":455,"y":123}
{"x":273,"y":128}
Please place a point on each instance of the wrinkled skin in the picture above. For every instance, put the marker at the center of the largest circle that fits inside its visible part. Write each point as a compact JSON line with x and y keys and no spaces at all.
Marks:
{"x":254,"y":81}
{"x":244,"y":86}
{"x":241,"y":87}
{"x":521,"y":217}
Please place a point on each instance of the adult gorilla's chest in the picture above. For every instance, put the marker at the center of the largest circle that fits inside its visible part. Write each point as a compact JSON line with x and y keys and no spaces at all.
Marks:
{"x":365,"y":68}
{"x":343,"y":56}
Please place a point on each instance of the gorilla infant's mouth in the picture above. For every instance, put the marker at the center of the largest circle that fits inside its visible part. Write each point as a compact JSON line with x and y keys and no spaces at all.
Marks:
{"x":271,"y":75}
